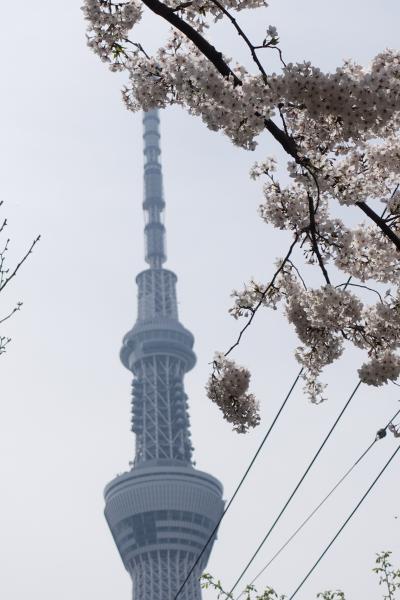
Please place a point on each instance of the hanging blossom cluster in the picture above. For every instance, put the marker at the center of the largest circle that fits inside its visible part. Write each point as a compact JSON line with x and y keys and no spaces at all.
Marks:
{"x":341,"y":133}
{"x":227,"y":387}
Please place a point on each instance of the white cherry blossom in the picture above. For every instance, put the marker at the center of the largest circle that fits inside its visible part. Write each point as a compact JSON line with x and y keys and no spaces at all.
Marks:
{"x":227,"y":387}
{"x":341,"y":133}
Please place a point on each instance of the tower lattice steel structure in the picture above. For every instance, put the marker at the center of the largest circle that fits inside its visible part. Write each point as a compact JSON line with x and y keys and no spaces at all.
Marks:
{"x":163,"y":510}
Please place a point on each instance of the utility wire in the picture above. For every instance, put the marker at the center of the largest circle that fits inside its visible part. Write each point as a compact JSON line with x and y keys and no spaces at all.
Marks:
{"x":380,"y":435}
{"x":210,"y":537}
{"x":295,"y":489}
{"x":345,"y":523}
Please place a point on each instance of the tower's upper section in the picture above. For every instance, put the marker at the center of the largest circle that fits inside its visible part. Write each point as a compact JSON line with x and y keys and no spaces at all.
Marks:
{"x":157,"y":331}
{"x":158,"y":349}
{"x":153,"y":203}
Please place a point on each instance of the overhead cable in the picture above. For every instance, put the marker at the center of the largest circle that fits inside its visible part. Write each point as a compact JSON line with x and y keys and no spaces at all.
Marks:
{"x":210,"y":537}
{"x":345,"y":523}
{"x":380,"y":434}
{"x":302,"y":478}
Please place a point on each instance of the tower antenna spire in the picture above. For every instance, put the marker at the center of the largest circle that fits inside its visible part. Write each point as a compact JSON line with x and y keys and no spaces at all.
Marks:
{"x":153,"y":202}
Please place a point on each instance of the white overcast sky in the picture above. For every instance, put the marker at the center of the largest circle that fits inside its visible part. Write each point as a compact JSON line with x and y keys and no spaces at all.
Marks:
{"x":71,"y":169}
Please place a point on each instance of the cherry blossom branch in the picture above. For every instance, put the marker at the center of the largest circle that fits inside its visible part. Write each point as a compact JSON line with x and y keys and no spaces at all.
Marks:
{"x":198,"y":40}
{"x":381,"y":223}
{"x":215,"y":57}
{"x":138,"y":46}
{"x":242,"y":34}
{"x":263,"y":295}
{"x":313,"y":236}
{"x":270,"y":47}
{"x":286,"y":141}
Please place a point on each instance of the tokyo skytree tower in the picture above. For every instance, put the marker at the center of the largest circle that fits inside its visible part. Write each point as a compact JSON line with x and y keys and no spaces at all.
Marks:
{"x":163,"y":510}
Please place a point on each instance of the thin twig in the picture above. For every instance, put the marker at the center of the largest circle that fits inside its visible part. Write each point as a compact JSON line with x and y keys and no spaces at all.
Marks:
{"x":361,"y":286}
{"x":14,"y":310}
{"x":269,"y":47}
{"x":21,"y":262}
{"x":298,"y":273}
{"x":242,"y":34}
{"x":263,"y":295}
{"x":182,"y":6}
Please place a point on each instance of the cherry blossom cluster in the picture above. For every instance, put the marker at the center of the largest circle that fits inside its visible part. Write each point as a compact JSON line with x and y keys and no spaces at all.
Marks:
{"x":341,"y":132}
{"x":110,"y":24}
{"x":179,"y":74}
{"x":227,"y":387}
{"x":325,"y":319}
{"x":321,"y":317}
{"x":349,"y":176}
{"x":366,"y":255}
{"x":358,"y":102}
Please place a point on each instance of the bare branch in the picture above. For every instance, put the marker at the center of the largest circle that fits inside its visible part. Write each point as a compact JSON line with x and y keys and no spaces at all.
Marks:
{"x":345,"y":285}
{"x":19,"y":265}
{"x":14,"y":310}
{"x":298,"y":274}
{"x":244,"y":36}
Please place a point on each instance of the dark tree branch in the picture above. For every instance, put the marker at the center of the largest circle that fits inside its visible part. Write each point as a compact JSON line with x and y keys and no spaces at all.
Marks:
{"x":198,"y":40}
{"x":381,"y":223}
{"x":313,"y":236}
{"x":215,"y":57}
{"x":242,"y":34}
{"x":286,"y":141}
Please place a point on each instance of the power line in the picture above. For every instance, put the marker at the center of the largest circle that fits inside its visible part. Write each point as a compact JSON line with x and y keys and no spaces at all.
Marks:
{"x":240,"y":482}
{"x":296,"y":487}
{"x":380,"y":434}
{"x":345,"y":523}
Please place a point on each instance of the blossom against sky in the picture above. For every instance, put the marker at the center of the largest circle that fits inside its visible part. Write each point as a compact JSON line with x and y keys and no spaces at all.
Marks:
{"x":72,"y":171}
